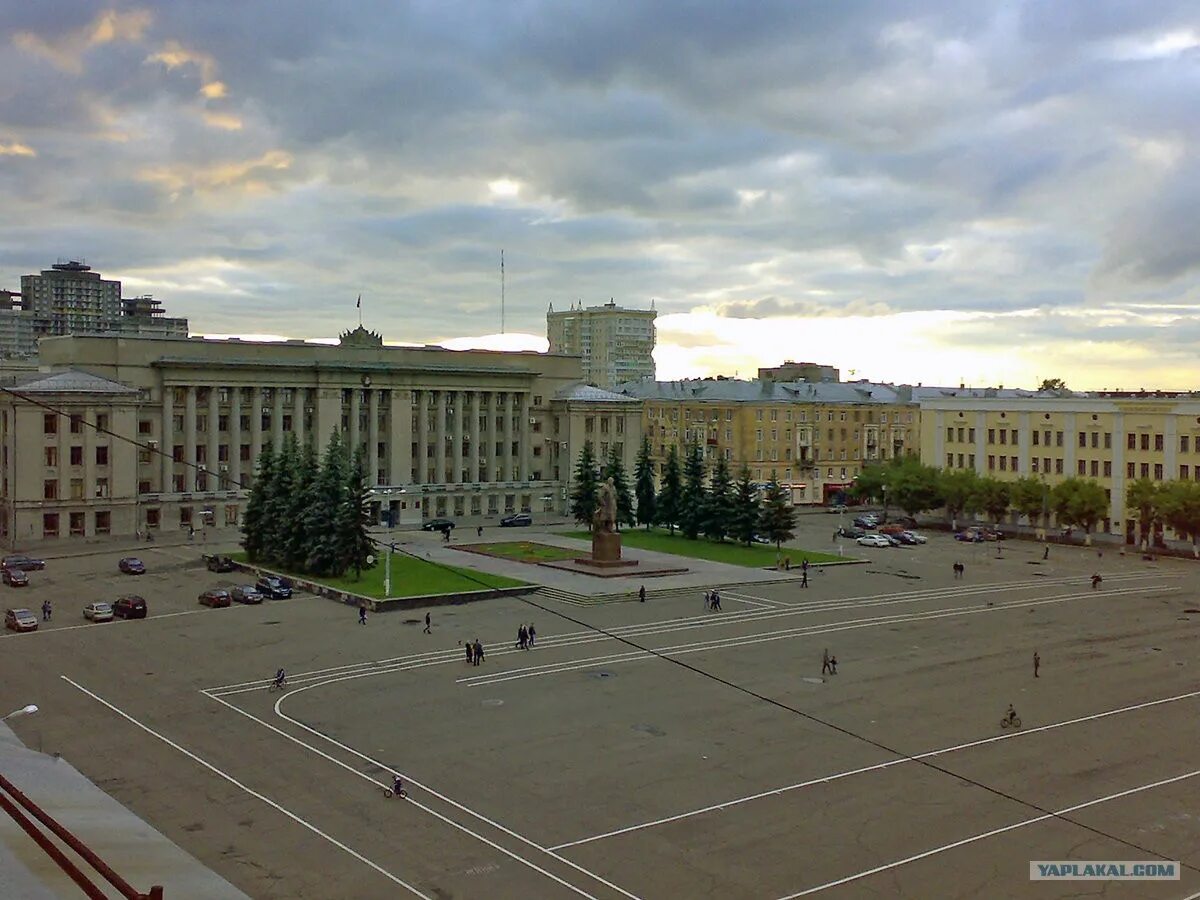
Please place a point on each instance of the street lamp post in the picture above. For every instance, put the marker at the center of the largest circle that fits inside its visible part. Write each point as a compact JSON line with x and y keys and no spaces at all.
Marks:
{"x":23,"y":711}
{"x":387,"y":570}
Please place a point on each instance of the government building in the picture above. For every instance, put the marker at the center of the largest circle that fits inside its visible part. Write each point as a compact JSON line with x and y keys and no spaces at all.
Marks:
{"x":117,"y":435}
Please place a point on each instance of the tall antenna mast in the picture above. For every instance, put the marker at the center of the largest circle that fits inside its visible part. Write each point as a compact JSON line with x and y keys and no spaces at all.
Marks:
{"x":502,"y":292}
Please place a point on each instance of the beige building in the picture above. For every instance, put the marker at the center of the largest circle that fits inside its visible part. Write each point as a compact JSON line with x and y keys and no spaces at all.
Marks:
{"x":615,"y":343}
{"x":1112,"y":438}
{"x":445,"y":433}
{"x":800,"y":371}
{"x":813,"y":438}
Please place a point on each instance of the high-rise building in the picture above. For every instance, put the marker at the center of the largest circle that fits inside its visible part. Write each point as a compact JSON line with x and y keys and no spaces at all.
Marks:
{"x":69,"y":298}
{"x":616,"y":344}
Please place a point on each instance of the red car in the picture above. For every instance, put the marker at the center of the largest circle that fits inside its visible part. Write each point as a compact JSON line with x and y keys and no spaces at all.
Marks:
{"x":215,"y":597}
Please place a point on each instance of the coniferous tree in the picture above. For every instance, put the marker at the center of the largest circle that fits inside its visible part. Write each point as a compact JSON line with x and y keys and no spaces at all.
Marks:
{"x":303,"y":487}
{"x":670,"y":496}
{"x":321,"y":515}
{"x":718,"y":506}
{"x":644,"y":486}
{"x":585,"y":494}
{"x":279,"y":527}
{"x":692,"y":500}
{"x":254,"y":522}
{"x":745,"y":509}
{"x":615,"y":469}
{"x":778,"y":516}
{"x":354,"y":542}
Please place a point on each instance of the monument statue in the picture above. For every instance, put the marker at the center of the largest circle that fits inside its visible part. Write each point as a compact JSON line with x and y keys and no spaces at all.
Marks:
{"x":605,"y":519}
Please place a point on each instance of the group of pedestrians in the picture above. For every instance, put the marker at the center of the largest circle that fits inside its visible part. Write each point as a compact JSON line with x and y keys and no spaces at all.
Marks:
{"x":712,"y":600}
{"x":474,"y":653}
{"x":526,"y":636}
{"x":47,"y":610}
{"x":828,"y":663}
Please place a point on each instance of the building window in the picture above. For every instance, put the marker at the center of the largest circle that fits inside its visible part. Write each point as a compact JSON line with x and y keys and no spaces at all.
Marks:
{"x":50,"y":426}
{"x":101,"y":487}
{"x":77,"y":456}
{"x":50,"y":489}
{"x":102,"y":422}
{"x":1095,"y":440}
{"x":76,"y":522}
{"x":1081,"y":467}
{"x":1158,"y":471}
{"x":1108,"y":468}
{"x":185,"y":515}
{"x":1095,"y":468}
{"x":76,"y":424}
{"x":1130,"y":470}
{"x":1145,"y":470}
{"x":144,"y":487}
{"x":1004,"y":464}
{"x":1145,"y":441}
{"x":102,"y":456}
{"x":1131,"y":442}
{"x":1183,"y":473}
{"x":1058,"y":438}
{"x":49,"y":525}
{"x":1083,"y":439}
{"x":970,"y":460}
{"x":1108,"y":440}
{"x":51,"y":456}
{"x":991,"y":463}
{"x":1035,"y":438}
{"x":1158,"y":442}
{"x":1013,"y":463}
{"x":76,"y":488}
{"x":991,"y":438}
{"x":1034,"y":462}
{"x":103,"y":521}
{"x":970,"y":435}
{"x":1183,"y":444}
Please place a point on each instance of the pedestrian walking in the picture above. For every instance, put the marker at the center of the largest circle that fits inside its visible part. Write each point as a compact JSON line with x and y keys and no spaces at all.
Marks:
{"x":825,"y":662}
{"x":479,"y":531}
{"x":427,"y":621}
{"x":522,"y":638}
{"x":470,"y":648}
{"x":362,"y":614}
{"x":959,"y":568}
{"x":804,"y":578}
{"x":707,"y":599}
{"x":1096,"y":579}
{"x":642,"y":593}
{"x":478,"y":652}
{"x":46,"y":610}
{"x":446,"y":535}
{"x":804,"y":565}
{"x":1046,"y":552}
{"x":191,"y":533}
{"x":532,"y":635}
{"x":716,"y":601}
{"x":1037,"y":663}
{"x":833,"y":665}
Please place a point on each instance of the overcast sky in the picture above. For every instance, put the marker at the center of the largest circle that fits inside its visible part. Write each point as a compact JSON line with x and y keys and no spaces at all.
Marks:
{"x":914,"y":191}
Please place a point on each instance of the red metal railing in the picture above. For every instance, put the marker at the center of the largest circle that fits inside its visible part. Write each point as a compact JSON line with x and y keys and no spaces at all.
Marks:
{"x":85,"y":883}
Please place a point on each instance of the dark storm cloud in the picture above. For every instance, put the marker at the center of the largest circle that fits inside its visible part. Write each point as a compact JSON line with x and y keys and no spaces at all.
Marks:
{"x":764,"y":161}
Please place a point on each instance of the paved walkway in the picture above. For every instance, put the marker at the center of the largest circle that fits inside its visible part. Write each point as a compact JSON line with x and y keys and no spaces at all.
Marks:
{"x":141,"y":855}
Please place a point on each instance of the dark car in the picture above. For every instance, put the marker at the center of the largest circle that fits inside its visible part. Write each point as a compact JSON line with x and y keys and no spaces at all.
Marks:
{"x":905,"y":538}
{"x":24,"y":563}
{"x":865,"y":521}
{"x":438,"y":525}
{"x":131,"y":565}
{"x":273,"y":587}
{"x":219,"y":563}
{"x":246,"y":593}
{"x":130,"y":607}
{"x":516,"y":520}
{"x":971,"y":537}
{"x":14,"y":577}
{"x":215,"y":597}
{"x":847,"y":532}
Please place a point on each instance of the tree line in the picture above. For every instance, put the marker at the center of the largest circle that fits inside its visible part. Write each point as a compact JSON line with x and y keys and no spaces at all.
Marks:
{"x":309,"y":515}
{"x":1075,"y":502}
{"x":689,"y":497}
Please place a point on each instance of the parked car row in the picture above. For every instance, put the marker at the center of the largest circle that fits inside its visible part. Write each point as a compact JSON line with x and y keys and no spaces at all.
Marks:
{"x":977,"y":534}
{"x":900,"y":538}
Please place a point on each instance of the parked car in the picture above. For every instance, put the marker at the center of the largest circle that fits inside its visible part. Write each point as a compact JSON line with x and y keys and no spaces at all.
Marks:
{"x":516,"y":520}
{"x":913,"y":537}
{"x":274,"y":587}
{"x":100,"y":611}
{"x":438,"y":525}
{"x":904,"y":538}
{"x":14,"y":577}
{"x":893,"y":540}
{"x":20,"y":620}
{"x":130,"y":606}
{"x":131,"y":565}
{"x":760,"y":539}
{"x":24,"y":563}
{"x":246,"y":593}
{"x":971,"y":537}
{"x":873,"y":540}
{"x":215,"y":597}
{"x":837,"y":508}
{"x":219,"y":563}
{"x":848,"y":532}
{"x":866,"y":521}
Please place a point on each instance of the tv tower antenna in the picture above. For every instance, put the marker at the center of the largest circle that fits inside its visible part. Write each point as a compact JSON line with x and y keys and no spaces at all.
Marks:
{"x":502,"y":292}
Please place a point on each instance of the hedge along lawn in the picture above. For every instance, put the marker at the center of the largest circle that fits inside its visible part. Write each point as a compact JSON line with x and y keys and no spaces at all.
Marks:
{"x":522,"y":551}
{"x":411,"y":577}
{"x":757,"y":556}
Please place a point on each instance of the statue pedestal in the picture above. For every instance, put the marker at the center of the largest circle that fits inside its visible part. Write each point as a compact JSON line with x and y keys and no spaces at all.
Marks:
{"x":606,"y":552}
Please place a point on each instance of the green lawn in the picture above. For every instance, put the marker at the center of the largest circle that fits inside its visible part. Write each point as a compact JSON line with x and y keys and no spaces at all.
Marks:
{"x":523,"y":551}
{"x":412,"y":577}
{"x":757,"y":555}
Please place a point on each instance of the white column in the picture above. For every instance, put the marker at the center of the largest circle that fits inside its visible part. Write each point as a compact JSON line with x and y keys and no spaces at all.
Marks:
{"x":355,"y":415}
{"x":373,"y":437}
{"x":298,"y":414}
{"x":476,"y":454}
{"x":1070,"y":445}
{"x":400,"y":439}
{"x":1116,"y":510}
{"x":981,"y":447}
{"x":189,"y":440}
{"x":1024,"y":447}
{"x":212,"y":463}
{"x":439,"y":440}
{"x":235,"y":437}
{"x":421,"y":405}
{"x":167,"y":440}
{"x":256,"y":435}
{"x":507,"y":454}
{"x":527,"y":437}
{"x":491,"y":457}
{"x":277,"y":418}
{"x":460,"y":411}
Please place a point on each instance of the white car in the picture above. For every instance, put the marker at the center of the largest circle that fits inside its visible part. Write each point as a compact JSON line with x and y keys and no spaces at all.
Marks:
{"x":873,"y":540}
{"x":98,"y":611}
{"x":917,"y":538}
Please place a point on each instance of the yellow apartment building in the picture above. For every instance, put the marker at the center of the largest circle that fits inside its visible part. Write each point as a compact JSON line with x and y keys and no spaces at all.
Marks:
{"x":812,"y":437}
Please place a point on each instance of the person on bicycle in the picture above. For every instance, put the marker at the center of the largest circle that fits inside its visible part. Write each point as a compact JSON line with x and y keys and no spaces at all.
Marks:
{"x":397,"y":785}
{"x":280,"y":677}
{"x":1010,"y":714}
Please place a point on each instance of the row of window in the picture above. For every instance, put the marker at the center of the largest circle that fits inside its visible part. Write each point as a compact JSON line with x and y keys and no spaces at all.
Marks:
{"x":75,"y":456}
{"x":75,"y":423}
{"x":1093,"y":439}
{"x":287,"y":395}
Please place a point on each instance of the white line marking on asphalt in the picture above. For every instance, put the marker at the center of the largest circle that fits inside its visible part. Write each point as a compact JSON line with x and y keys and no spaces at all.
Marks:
{"x":253,"y":793}
{"x":765,"y":637}
{"x":825,"y":779}
{"x":513,"y":834}
{"x":987,"y":834}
